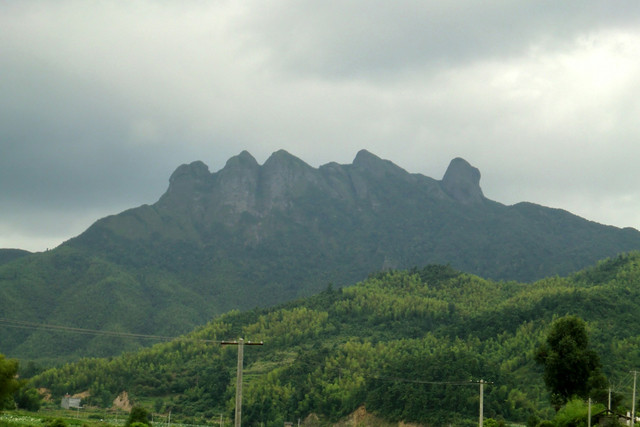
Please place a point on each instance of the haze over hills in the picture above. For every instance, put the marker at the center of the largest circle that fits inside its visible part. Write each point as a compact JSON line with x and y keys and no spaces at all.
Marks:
{"x":257,"y":235}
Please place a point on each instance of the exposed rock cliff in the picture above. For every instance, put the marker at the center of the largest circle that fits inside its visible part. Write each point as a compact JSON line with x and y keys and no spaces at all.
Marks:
{"x":244,"y":186}
{"x":462,"y":182}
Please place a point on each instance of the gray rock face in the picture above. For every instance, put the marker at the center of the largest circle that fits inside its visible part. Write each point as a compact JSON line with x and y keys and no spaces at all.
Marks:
{"x":187,"y":186}
{"x":244,"y":186}
{"x":283,"y":178}
{"x":189,"y":177}
{"x":236,"y":184}
{"x":376,"y":166}
{"x":461,"y":181}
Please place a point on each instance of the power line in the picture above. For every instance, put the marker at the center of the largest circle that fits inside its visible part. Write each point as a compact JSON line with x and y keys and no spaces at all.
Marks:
{"x":454,"y":383}
{"x":406,"y":380}
{"x":21,"y":324}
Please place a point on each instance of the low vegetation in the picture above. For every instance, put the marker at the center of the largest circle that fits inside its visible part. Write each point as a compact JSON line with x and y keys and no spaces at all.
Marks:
{"x":408,"y":346}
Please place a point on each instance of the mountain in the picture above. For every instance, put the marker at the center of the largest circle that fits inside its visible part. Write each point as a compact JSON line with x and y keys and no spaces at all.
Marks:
{"x":405,"y":345}
{"x":255,"y":235}
{"x":371,"y":215}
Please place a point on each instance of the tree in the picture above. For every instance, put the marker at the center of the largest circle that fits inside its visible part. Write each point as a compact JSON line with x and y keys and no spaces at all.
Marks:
{"x":9,"y":382}
{"x":575,"y":413}
{"x":138,"y":415}
{"x":28,"y":398}
{"x":571,"y":368}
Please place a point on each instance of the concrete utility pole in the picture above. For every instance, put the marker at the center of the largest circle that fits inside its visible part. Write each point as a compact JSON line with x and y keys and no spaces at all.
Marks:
{"x":240,"y":343}
{"x":481,"y":403}
{"x":633,"y":400}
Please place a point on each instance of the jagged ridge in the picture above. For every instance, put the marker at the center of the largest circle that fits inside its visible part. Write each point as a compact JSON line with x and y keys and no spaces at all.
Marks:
{"x":243,"y":186}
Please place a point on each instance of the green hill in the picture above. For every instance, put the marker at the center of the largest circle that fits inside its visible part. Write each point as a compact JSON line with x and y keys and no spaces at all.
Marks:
{"x":7,"y":255}
{"x":408,"y":345}
{"x":255,"y":235}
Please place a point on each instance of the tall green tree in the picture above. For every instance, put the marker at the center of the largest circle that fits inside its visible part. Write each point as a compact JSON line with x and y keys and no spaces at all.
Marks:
{"x":28,"y":398}
{"x":571,"y":367}
{"x":9,"y":382}
{"x":138,"y":415}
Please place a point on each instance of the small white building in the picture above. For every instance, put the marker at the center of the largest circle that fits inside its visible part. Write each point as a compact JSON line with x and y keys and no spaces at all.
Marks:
{"x":69,"y":402}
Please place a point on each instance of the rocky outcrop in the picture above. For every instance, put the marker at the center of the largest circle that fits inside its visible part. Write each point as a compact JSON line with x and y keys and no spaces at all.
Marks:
{"x":284,"y":178}
{"x":244,"y":186}
{"x":237,"y":183}
{"x":377,"y":167}
{"x":461,"y":181}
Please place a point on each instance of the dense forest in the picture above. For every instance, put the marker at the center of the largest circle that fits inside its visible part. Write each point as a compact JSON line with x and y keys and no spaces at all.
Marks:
{"x":406,"y":345}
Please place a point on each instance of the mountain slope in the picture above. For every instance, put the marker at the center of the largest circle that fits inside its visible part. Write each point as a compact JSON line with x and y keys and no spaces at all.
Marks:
{"x":7,"y":255}
{"x":406,"y":344}
{"x":370,"y":214}
{"x":256,"y":235}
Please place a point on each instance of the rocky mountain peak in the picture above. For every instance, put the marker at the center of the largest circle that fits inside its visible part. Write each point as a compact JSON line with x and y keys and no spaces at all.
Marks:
{"x":186,"y":185}
{"x":187,"y":177}
{"x":365,"y":158}
{"x":284,"y":176}
{"x":244,"y":160}
{"x":287,"y":167}
{"x":376,"y":166}
{"x":194,"y":170}
{"x":237,"y":183}
{"x":283,"y":159}
{"x":461,"y":181}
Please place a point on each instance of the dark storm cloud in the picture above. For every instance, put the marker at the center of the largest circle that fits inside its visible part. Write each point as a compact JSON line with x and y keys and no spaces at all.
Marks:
{"x":101,"y":101}
{"x":54,"y":129}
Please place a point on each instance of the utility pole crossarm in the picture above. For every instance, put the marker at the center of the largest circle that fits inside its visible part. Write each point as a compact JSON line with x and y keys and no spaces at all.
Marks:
{"x":481,"y":412}
{"x":240,"y":343}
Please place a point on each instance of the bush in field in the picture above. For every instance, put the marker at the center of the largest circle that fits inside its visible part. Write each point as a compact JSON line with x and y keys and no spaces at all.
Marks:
{"x":28,"y":398}
{"x":138,"y":417}
{"x":58,"y":422}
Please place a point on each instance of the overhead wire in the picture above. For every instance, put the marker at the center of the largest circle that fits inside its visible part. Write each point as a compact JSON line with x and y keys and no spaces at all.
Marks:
{"x":406,"y":380}
{"x":22,"y":324}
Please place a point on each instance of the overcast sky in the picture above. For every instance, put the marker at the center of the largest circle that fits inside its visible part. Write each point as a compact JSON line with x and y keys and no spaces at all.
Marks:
{"x":101,"y":101}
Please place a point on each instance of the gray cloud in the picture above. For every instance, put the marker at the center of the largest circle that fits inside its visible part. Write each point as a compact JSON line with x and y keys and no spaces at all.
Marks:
{"x":380,"y":38}
{"x":102,"y":101}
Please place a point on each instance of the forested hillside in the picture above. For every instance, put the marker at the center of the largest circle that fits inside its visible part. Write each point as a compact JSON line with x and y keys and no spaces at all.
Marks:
{"x":408,"y":345}
{"x":7,"y":255}
{"x":255,"y":235}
